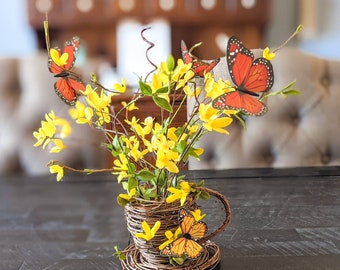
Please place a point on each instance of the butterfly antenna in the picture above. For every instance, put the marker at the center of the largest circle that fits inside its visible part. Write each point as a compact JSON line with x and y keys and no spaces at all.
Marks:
{"x":193,"y":48}
{"x":297,"y":30}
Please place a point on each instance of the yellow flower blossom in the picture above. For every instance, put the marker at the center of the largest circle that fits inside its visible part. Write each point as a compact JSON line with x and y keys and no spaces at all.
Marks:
{"x":148,"y":124}
{"x":132,"y":144}
{"x":166,"y":154}
{"x":44,"y":134}
{"x":212,"y":121}
{"x":81,"y":113}
{"x":130,"y":107}
{"x":52,"y":130}
{"x":120,"y":87}
{"x":173,"y":137}
{"x":198,"y":215}
{"x":57,"y":169}
{"x":100,"y":103}
{"x":59,"y":145}
{"x":66,"y":128}
{"x":158,"y":82}
{"x":58,"y":59}
{"x":267,"y":54}
{"x":166,"y":159}
{"x":179,"y":194}
{"x":171,"y":237}
{"x":121,"y":167}
{"x":134,"y":126}
{"x":121,"y":163}
{"x":215,"y":89}
{"x":149,"y":233}
{"x":192,"y":91}
{"x":199,"y":151}
{"x":182,"y":70}
{"x":121,"y":175}
{"x":128,"y":196}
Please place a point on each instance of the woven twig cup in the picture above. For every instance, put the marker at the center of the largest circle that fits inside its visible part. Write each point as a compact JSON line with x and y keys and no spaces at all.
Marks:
{"x":146,"y":254}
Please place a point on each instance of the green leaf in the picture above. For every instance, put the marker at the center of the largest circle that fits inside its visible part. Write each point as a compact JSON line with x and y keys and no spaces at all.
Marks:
{"x":201,"y":183}
{"x":132,"y":183}
{"x":163,"y":90}
{"x":291,"y":92}
{"x":241,"y":120}
{"x":145,"y":88}
{"x":204,"y":195}
{"x":162,"y":103}
{"x":145,"y":175}
{"x":170,"y":62}
{"x":119,"y":254}
{"x":181,"y":146}
{"x":288,"y":86}
{"x":178,"y":260}
{"x":116,"y":146}
{"x":149,"y":194}
{"x":161,"y":177}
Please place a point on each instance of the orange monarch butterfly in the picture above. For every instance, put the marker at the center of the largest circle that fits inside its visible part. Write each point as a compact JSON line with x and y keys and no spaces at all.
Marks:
{"x":199,"y":66}
{"x":251,"y":77}
{"x":68,"y":86}
{"x":191,"y":231}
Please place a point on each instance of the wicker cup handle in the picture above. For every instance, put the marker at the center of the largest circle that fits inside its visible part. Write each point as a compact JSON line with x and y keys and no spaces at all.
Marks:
{"x":227,"y":211}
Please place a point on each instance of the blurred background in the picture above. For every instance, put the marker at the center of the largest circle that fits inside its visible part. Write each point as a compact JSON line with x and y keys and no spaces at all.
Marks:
{"x":112,"y":47}
{"x":21,"y":22}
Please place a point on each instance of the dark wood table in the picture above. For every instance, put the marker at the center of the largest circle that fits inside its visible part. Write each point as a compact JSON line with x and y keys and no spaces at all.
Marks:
{"x":281,"y":219}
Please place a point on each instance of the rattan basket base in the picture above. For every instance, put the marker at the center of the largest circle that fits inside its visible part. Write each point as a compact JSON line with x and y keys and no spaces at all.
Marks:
{"x":208,"y":261}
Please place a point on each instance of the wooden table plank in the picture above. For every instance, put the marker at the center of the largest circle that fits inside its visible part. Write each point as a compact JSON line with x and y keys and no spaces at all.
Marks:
{"x":281,"y":219}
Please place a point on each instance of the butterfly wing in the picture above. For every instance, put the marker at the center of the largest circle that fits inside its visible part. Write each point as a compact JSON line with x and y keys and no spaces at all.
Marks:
{"x":76,"y":85}
{"x":65,"y":91}
{"x":68,"y":89}
{"x":250,"y":75}
{"x":53,"y":67}
{"x":186,"y":244}
{"x":185,"y":53}
{"x":200,"y":67}
{"x":181,"y":246}
{"x":196,"y":229}
{"x":239,"y":60}
{"x":236,"y":100}
{"x":176,"y":248}
{"x":71,"y":48}
{"x":192,"y":249}
{"x":185,"y":219}
{"x":260,"y":77}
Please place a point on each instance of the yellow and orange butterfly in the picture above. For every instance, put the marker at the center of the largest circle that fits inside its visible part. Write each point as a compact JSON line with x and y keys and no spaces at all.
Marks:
{"x":186,"y":244}
{"x":68,"y":86}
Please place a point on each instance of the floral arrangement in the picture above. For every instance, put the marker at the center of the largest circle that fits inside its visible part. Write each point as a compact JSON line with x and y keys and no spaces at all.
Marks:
{"x":147,"y":154}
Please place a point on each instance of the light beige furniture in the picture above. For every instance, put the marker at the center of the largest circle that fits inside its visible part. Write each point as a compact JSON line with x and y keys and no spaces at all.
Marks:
{"x":297,"y":131}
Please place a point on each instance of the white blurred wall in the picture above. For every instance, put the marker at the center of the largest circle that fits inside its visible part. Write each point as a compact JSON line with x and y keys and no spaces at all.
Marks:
{"x":17,"y":38}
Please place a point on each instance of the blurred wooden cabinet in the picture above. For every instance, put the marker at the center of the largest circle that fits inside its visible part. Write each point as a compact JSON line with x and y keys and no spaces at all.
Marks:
{"x":192,"y":20}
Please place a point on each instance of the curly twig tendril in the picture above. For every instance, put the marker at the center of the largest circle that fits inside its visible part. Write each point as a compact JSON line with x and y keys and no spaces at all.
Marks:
{"x":147,"y":51}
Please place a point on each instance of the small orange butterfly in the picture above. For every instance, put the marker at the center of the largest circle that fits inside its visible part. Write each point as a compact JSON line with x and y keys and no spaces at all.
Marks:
{"x":198,"y":66}
{"x":68,"y":86}
{"x":186,"y":244}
